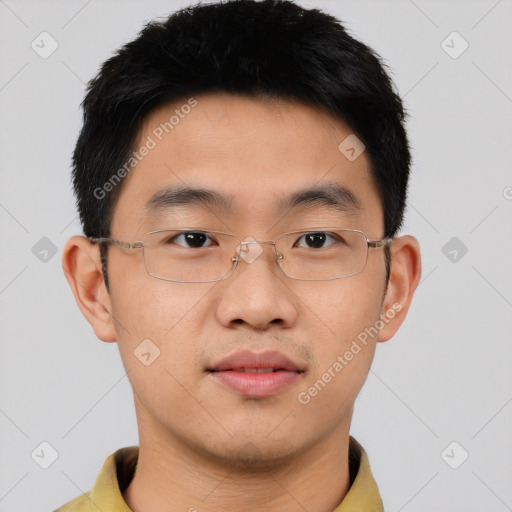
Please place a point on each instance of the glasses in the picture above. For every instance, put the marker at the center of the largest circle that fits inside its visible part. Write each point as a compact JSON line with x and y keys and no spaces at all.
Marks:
{"x":195,"y":255}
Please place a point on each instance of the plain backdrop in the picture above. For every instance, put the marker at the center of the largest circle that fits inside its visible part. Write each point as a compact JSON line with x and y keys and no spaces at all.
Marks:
{"x":435,"y":414}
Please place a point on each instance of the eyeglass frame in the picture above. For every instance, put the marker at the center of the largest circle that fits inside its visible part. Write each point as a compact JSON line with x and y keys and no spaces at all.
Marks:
{"x":236,"y":259}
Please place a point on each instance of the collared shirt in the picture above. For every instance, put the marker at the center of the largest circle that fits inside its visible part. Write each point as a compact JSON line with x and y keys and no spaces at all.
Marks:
{"x":119,"y":468}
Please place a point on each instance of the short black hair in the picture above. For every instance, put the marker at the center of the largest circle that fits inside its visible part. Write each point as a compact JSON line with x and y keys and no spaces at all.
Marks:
{"x":268,"y":48}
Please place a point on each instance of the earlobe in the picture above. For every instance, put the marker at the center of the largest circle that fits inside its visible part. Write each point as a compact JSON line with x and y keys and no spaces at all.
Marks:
{"x":81,"y":265}
{"x":403,"y":280}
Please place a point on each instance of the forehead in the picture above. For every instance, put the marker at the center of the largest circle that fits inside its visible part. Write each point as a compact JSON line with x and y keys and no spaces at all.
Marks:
{"x":254,"y":157}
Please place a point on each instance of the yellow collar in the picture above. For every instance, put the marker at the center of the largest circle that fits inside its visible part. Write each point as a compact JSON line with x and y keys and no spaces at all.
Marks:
{"x":363,"y":493}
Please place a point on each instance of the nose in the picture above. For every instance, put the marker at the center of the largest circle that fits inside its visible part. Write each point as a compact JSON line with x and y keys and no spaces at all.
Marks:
{"x":256,"y":294}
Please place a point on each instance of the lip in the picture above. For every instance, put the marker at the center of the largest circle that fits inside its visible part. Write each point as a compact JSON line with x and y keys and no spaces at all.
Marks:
{"x":248,"y":359}
{"x":229,"y":372}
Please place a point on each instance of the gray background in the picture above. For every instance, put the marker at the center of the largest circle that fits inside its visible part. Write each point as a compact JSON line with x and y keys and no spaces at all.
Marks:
{"x":446,"y":375}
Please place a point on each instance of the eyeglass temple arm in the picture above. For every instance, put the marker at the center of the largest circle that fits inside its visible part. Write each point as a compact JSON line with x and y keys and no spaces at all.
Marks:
{"x":124,"y":245}
{"x":379,"y":243}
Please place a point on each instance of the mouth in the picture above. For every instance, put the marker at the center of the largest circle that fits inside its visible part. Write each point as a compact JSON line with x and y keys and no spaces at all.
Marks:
{"x":256,"y":382}
{"x":252,"y":362}
{"x":256,"y":370}
{"x":256,"y":375}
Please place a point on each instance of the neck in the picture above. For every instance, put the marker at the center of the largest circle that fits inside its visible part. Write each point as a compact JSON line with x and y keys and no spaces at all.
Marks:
{"x":171,"y":476}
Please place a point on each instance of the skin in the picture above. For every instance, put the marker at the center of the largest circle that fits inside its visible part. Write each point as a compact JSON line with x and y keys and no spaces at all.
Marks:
{"x":202,"y":445}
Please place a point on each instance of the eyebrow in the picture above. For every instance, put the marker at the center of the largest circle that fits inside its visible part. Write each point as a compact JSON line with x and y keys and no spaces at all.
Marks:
{"x":179,"y":195}
{"x":332,"y":195}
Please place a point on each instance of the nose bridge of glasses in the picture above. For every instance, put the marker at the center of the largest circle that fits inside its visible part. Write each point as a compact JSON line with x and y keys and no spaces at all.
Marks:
{"x":251,"y":249}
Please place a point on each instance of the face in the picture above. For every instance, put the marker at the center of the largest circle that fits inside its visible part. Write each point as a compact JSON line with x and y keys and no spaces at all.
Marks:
{"x":256,"y":153}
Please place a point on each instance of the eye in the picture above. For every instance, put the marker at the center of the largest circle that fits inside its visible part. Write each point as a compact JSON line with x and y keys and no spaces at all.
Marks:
{"x":191,"y":239}
{"x":318,"y":239}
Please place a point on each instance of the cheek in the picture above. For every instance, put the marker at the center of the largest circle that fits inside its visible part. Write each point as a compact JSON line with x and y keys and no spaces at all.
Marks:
{"x":159,"y":328}
{"x":154,"y":314}
{"x":343,"y":334}
{"x":340,"y":310}
{"x":147,"y":307}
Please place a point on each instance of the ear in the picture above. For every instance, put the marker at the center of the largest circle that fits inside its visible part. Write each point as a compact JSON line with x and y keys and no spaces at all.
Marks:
{"x":404,"y":277}
{"x":82,"y":268}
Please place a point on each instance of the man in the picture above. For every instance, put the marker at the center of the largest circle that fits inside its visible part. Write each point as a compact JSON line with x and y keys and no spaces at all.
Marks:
{"x":241,"y":177}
